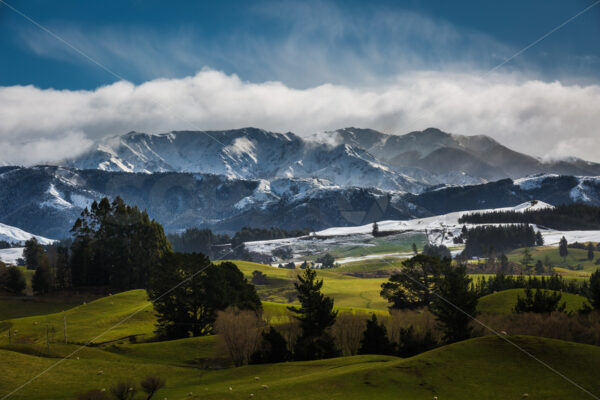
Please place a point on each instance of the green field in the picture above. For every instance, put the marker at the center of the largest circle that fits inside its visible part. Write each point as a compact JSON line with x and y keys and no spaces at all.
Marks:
{"x":486,"y":368}
{"x":503,"y":302}
{"x":549,"y":255}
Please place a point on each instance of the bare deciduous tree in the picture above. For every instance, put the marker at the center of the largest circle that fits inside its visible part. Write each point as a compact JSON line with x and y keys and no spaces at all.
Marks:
{"x":348,"y":331}
{"x":241,"y":332}
{"x":152,"y":384}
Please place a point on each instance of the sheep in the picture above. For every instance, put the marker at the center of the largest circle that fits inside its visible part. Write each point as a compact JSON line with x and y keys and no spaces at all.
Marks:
{"x":100,"y":373}
{"x":504,"y":333}
{"x":264,"y":386}
{"x":256,"y":378}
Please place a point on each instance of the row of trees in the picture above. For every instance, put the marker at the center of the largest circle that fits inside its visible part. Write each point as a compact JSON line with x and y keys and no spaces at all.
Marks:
{"x":481,"y":241}
{"x":576,"y":216}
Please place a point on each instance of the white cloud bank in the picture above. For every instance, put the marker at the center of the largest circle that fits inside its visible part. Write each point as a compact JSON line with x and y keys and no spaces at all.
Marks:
{"x":546,"y":119}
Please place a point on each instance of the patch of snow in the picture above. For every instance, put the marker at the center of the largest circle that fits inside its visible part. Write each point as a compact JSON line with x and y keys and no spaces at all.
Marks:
{"x":10,"y":256}
{"x":56,"y":199}
{"x":532,"y":182}
{"x":15,"y":235}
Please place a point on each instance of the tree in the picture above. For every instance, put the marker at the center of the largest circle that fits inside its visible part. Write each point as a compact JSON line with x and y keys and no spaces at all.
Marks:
{"x":241,"y":332}
{"x":440,"y":251}
{"x":414,"y":249}
{"x":316,"y":316}
{"x":152,"y":384}
{"x":375,"y":339}
{"x":33,"y":253}
{"x":539,"y":267}
{"x":42,"y":281}
{"x":375,"y":230}
{"x":539,"y":239}
{"x":15,"y":280}
{"x":115,"y":244}
{"x":563,"y":249}
{"x":197,"y":291}
{"x":594,"y":291}
{"x":527,"y":259}
{"x":590,"y":251}
{"x":123,"y":390}
{"x":412,"y":287}
{"x":544,"y":301}
{"x":326,"y":261}
{"x":455,"y":304}
{"x":259,"y":278}
{"x":273,"y":348}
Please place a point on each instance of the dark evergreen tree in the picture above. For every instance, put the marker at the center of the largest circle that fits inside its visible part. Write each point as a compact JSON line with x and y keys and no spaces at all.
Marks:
{"x":33,"y":253}
{"x":115,"y":244}
{"x":43,"y":280}
{"x":375,"y":339}
{"x":542,"y":302}
{"x":316,"y":316}
{"x":412,"y":288}
{"x":196,"y":290}
{"x":375,"y":230}
{"x":539,"y":239}
{"x":15,"y":280}
{"x":273,"y":349}
{"x":455,"y":304}
{"x":414,"y":249}
{"x":327,"y":261}
{"x":590,"y":251}
{"x":594,"y":290}
{"x":539,"y":267}
{"x":563,"y":249}
{"x":410,"y":344}
{"x":527,"y":260}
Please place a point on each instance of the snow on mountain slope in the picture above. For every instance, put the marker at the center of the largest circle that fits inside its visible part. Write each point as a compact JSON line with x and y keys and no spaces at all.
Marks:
{"x":15,"y":235}
{"x":247,"y":153}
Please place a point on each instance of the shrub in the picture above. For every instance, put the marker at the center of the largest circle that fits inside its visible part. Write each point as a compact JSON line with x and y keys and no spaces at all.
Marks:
{"x":152,"y":384}
{"x":123,"y":390}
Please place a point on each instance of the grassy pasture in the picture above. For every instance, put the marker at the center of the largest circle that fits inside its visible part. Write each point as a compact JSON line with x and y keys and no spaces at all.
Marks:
{"x":503,"y":302}
{"x":486,"y":368}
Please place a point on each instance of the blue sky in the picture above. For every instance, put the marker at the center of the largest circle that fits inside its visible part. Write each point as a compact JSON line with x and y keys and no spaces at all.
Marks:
{"x":337,"y":42}
{"x":300,"y":66}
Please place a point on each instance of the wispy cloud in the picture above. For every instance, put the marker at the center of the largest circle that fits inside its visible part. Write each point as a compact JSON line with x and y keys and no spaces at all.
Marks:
{"x":544,"y":119}
{"x":308,"y":44}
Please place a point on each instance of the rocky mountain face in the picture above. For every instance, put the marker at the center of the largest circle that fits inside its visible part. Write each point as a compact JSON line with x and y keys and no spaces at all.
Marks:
{"x":453,"y":159}
{"x":247,"y":153}
{"x":46,"y":200}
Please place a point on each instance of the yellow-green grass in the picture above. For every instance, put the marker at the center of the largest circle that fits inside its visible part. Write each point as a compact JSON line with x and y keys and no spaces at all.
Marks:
{"x":550,"y":254}
{"x":17,"y":307}
{"x":481,"y":368}
{"x":347,"y":291}
{"x":128,"y":313}
{"x":503,"y":302}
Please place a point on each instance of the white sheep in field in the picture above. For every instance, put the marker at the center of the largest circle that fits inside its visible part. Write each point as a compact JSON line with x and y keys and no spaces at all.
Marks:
{"x":264,"y":386}
{"x":525,"y":395}
{"x":100,"y":373}
{"x":504,"y":333}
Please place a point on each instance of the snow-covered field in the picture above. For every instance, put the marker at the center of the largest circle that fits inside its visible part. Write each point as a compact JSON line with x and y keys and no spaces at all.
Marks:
{"x":10,"y":256}
{"x":441,"y":229}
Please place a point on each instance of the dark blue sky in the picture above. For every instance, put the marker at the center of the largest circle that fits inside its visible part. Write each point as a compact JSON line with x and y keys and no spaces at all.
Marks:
{"x":301,"y":44}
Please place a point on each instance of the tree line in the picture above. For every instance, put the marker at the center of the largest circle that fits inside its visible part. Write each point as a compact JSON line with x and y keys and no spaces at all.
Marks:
{"x":482,"y":241}
{"x":576,"y":216}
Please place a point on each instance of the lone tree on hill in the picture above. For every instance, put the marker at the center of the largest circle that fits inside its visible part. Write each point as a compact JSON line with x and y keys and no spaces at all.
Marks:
{"x":590,"y":251}
{"x":563,"y":249}
{"x":316,"y":316}
{"x":375,"y":231}
{"x":412,"y":288}
{"x":456,"y":303}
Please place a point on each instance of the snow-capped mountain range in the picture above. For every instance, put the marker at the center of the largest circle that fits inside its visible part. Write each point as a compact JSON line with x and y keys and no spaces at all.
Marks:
{"x":46,"y":200}
{"x":347,"y":157}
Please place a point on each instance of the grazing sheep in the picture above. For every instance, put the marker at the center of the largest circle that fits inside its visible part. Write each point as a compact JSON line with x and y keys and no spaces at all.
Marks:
{"x":100,"y":373}
{"x":504,"y":333}
{"x":256,"y":378}
{"x":230,"y":388}
{"x":525,"y":395}
{"x":264,"y":386}
{"x":190,"y":394}
{"x":251,"y":394}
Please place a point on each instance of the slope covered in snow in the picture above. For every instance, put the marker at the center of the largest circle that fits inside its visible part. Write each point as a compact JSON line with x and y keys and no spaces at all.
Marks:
{"x":247,"y":153}
{"x":15,"y":235}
